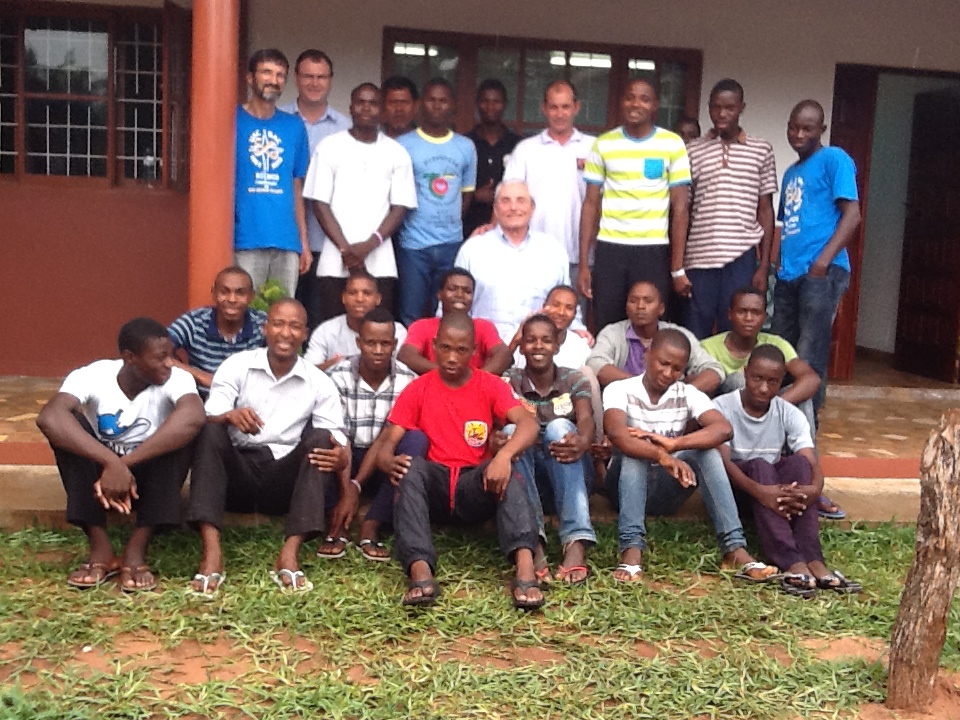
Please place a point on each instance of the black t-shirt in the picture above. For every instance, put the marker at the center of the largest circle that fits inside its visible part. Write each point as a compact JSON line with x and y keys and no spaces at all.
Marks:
{"x":490,"y":165}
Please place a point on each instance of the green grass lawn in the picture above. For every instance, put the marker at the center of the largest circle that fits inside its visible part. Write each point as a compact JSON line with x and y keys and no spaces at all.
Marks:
{"x":686,"y":642}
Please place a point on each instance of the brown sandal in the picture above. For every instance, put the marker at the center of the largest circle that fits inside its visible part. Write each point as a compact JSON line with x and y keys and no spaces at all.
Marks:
{"x":131,"y":571}
{"x":104,"y":572}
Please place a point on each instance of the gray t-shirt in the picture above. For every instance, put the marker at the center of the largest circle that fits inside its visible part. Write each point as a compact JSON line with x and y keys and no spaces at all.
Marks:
{"x":763,"y":437}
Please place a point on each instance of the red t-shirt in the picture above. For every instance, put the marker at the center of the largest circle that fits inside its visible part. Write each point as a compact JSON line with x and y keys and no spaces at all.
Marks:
{"x":457,"y":421}
{"x":422,"y":333}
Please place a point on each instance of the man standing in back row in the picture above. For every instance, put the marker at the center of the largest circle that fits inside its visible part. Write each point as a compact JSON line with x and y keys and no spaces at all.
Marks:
{"x":820,"y":214}
{"x":636,"y":187}
{"x":734,"y":179}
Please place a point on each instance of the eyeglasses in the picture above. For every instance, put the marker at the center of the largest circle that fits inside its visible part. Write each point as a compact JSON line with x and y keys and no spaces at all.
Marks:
{"x":312,"y":78}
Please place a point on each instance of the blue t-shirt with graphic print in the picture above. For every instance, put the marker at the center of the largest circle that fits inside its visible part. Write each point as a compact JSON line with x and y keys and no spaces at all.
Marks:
{"x":810,"y":211}
{"x":443,"y":169}
{"x":270,"y":154}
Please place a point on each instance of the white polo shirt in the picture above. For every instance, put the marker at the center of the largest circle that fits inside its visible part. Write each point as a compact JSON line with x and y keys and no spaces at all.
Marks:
{"x":360,"y":181}
{"x":285,"y":405}
{"x":554,"y":174}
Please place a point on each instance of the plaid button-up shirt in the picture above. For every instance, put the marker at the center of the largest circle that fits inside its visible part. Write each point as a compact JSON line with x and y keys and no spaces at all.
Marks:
{"x":365,"y":409}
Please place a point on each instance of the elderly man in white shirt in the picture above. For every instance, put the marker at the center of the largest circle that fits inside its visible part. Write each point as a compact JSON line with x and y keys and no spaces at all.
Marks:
{"x":515,"y":267}
{"x":267,"y":412}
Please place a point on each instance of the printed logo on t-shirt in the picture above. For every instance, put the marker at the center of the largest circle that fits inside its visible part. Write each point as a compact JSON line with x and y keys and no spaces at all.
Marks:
{"x":792,"y":200}
{"x":562,"y":405}
{"x":475,"y":433}
{"x":439,"y":184}
{"x":119,"y":438}
{"x":266,"y":154}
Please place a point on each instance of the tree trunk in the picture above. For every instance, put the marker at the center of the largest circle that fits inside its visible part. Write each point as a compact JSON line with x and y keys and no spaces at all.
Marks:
{"x":921,"y":626}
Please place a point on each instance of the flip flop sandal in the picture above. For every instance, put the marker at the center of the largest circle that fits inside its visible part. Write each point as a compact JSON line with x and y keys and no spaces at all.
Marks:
{"x":218,"y":577}
{"x":422,"y":600}
{"x":635,"y":571}
{"x":366,"y":544}
{"x":563,"y":572}
{"x":293,"y":576}
{"x":838,"y":583}
{"x":107,"y":573}
{"x":336,"y":555}
{"x":137,"y":588}
{"x":523,"y":586}
{"x":543,"y":576}
{"x":798,"y":585}
{"x":836,"y":514}
{"x":744,"y":573}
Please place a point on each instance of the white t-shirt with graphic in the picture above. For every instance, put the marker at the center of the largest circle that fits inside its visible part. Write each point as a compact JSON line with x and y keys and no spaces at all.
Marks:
{"x":120,"y":423}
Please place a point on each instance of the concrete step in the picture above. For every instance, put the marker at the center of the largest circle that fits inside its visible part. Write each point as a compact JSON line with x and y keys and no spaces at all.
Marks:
{"x":33,"y":494}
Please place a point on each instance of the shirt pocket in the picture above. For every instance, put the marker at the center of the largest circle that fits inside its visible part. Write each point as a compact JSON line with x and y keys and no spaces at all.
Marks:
{"x":653,"y":168}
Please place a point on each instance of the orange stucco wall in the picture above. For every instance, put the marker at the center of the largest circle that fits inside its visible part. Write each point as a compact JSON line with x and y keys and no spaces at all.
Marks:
{"x":76,"y":262}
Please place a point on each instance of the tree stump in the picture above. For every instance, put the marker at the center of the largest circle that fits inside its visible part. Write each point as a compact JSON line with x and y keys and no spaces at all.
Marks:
{"x":921,"y":626}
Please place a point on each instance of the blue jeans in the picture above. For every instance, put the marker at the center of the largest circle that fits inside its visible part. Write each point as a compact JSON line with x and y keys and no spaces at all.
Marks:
{"x":713,"y":289}
{"x":420,"y":272}
{"x":569,"y":484}
{"x":803,"y":313}
{"x":647,"y":488}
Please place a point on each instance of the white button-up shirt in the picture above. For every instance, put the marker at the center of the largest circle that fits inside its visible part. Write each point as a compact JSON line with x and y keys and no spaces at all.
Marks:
{"x":554,"y":175}
{"x":512,"y":281}
{"x":285,"y":404}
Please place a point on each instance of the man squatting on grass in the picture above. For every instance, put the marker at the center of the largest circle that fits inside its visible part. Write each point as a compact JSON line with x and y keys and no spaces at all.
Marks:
{"x":122,"y":432}
{"x":456,"y":407}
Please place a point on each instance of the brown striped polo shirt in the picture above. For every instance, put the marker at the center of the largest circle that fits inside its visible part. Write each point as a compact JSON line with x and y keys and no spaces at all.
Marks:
{"x":728,"y":181}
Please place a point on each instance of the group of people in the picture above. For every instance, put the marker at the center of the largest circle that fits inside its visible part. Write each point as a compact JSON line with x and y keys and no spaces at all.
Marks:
{"x":490,"y":397}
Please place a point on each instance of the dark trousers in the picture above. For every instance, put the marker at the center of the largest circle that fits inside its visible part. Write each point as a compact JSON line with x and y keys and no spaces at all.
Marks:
{"x":616,"y":268}
{"x":308,"y":293}
{"x":785,"y":542}
{"x":226,"y":477}
{"x":425,"y":497}
{"x":330,"y":290}
{"x":713,"y":289}
{"x":158,"y":484}
{"x":413,"y":443}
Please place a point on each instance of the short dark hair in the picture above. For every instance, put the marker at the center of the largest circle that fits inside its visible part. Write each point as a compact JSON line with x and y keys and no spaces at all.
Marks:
{"x":491,"y":84}
{"x":539,"y":318}
{"x":313,"y":55}
{"x":560,"y":83}
{"x":649,"y":82}
{"x":360,"y":273}
{"x":378,"y":315}
{"x":747,"y":290}
{"x":457,"y":320}
{"x":267,"y":55}
{"x":809,"y":104}
{"x":283,"y":302}
{"x":651,"y":283}
{"x":457,"y":272}
{"x":768,"y":352}
{"x":727,"y":85}
{"x":135,"y":333}
{"x":567,"y":288}
{"x":439,"y":82}
{"x":362,"y":86}
{"x":689,"y":120}
{"x":671,"y":337}
{"x":400,"y":82}
{"x":233,"y":270}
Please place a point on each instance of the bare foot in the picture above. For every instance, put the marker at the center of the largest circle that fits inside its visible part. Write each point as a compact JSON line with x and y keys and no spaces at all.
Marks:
{"x":370,"y":544}
{"x":736,"y":559}
{"x":574,"y":568}
{"x":94,"y":571}
{"x":211,"y":564}
{"x":541,"y":566}
{"x":134,"y":578}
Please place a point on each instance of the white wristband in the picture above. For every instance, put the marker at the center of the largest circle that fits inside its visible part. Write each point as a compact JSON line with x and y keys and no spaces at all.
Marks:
{"x":378,"y":236}
{"x":359,"y":487}
{"x":678,"y":273}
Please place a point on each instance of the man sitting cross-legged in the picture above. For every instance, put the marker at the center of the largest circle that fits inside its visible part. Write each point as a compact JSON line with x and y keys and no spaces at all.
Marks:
{"x":559,"y":462}
{"x":336,"y":338}
{"x":646,"y":418}
{"x":267,"y":409}
{"x":122,"y":433}
{"x":622,"y":347}
{"x":781,"y":489}
{"x":455,"y":294}
{"x":205,"y":337}
{"x":456,"y":407}
{"x":748,"y":312}
{"x":369,"y":384}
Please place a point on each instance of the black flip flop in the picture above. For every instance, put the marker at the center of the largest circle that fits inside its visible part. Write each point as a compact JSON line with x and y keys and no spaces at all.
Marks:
{"x":798,"y":585}
{"x":523,"y":586}
{"x":842,"y":586}
{"x":422,"y":600}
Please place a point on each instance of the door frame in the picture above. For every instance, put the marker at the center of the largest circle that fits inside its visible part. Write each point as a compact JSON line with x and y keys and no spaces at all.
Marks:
{"x":853,"y":131}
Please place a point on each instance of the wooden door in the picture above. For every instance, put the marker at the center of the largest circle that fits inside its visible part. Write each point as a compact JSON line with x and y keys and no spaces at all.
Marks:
{"x":851,"y":128}
{"x":928,"y":321}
